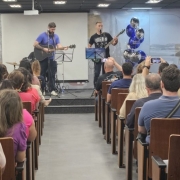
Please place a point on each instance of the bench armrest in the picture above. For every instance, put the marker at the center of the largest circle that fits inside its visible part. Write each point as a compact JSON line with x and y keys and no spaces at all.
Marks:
{"x":143,"y":142}
{"x":20,"y":166}
{"x":28,"y":144}
{"x":129,"y":129}
{"x":158,"y":161}
{"x":107,"y":103}
{"x":113,"y":109}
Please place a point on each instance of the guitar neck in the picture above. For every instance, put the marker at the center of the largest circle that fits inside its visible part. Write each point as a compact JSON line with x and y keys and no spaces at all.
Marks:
{"x":113,"y":39}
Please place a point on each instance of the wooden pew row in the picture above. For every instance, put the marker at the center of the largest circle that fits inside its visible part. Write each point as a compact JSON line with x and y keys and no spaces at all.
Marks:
{"x":103,"y":99}
{"x":113,"y":115}
{"x":99,"y":108}
{"x":11,"y":172}
{"x":130,"y":136}
{"x":129,"y":104}
{"x":159,"y":168}
{"x":107,"y":117}
{"x":159,"y":143}
{"x":96,"y":108}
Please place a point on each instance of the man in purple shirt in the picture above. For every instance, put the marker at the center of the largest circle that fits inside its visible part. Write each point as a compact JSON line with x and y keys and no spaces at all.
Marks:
{"x":49,"y":38}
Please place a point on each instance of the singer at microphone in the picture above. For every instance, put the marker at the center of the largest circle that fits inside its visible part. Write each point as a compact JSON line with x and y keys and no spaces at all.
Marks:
{"x":100,"y":40}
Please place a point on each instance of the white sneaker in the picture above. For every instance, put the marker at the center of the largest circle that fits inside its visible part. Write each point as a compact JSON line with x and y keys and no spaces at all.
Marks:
{"x":44,"y":93}
{"x":54,"y":93}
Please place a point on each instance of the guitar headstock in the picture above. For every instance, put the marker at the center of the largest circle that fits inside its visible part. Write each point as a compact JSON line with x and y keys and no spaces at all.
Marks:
{"x":72,"y":46}
{"x":122,"y":31}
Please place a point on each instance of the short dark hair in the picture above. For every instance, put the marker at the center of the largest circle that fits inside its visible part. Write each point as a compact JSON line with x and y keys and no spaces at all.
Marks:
{"x":152,"y":81}
{"x":127,"y":68}
{"x":16,"y":78}
{"x":162,"y":66}
{"x":171,"y":78}
{"x":27,"y":79}
{"x":25,"y":63}
{"x":51,"y":25}
{"x":6,"y":84}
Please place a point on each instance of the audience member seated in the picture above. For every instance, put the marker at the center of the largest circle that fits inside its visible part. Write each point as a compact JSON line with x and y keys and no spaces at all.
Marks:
{"x":25,"y":63}
{"x":136,"y":91}
{"x":2,"y":159}
{"x":108,"y":68}
{"x":11,"y":124}
{"x":6,"y":84}
{"x":17,"y":80}
{"x":161,"y":107}
{"x":27,"y":118}
{"x":122,"y":83}
{"x":162,"y":66}
{"x":3,"y":72}
{"x":26,"y":87}
{"x":152,"y":83}
{"x":36,"y":70}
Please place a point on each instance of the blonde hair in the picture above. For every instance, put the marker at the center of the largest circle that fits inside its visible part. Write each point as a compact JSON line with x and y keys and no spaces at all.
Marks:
{"x":138,"y":86}
{"x":140,"y":67}
{"x":36,"y":68}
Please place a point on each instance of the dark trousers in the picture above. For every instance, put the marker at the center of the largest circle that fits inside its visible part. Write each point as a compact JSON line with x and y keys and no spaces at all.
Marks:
{"x":43,"y":83}
{"x":97,"y":70}
{"x":51,"y":71}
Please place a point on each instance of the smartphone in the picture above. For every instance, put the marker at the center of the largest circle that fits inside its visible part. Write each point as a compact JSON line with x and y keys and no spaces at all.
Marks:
{"x":155,"y":60}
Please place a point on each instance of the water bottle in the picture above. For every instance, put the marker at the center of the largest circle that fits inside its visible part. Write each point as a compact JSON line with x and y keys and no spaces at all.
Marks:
{"x":62,"y":91}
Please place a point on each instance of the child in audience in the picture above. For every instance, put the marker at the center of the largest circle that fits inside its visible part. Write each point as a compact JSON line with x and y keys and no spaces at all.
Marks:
{"x":2,"y":159}
{"x":137,"y":90}
{"x":6,"y":84}
{"x":3,"y":72}
{"x":11,"y":122}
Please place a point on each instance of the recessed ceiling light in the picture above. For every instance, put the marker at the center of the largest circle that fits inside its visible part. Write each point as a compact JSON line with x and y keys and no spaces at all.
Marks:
{"x":59,"y":2}
{"x":9,"y":0}
{"x":142,"y":8}
{"x":15,"y":5}
{"x":103,"y":5}
{"x":153,"y":1}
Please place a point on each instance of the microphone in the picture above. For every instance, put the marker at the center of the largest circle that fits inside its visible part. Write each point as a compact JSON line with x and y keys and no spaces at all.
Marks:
{"x":100,"y":31}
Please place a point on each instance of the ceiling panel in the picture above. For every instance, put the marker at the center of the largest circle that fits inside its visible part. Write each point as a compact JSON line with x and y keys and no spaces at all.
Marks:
{"x":83,"y":5}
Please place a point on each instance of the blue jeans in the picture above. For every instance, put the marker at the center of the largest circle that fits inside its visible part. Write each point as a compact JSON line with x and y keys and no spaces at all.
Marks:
{"x":52,"y":70}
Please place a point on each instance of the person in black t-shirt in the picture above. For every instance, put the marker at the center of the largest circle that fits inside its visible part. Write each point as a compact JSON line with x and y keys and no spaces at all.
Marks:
{"x":100,"y":40}
{"x":108,"y":68}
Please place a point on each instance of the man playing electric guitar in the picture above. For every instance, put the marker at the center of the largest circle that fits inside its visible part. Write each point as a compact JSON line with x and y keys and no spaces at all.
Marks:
{"x":100,"y":40}
{"x":47,"y":39}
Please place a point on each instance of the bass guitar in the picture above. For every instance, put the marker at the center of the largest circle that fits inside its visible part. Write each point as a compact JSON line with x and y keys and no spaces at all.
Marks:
{"x":97,"y":60}
{"x":40,"y":55}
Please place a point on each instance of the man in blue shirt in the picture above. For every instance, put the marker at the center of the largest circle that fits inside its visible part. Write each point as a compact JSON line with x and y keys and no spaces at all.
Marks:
{"x":49,"y":38}
{"x":159,"y":108}
{"x":122,"y":83}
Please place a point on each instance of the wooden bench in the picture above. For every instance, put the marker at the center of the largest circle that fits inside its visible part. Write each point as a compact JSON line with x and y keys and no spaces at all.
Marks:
{"x":113,"y":115}
{"x":96,"y":108}
{"x":103,"y":98}
{"x":161,"y":129}
{"x":107,"y":117}
{"x":11,"y":172}
{"x":129,"y":104}
{"x":159,"y":167}
{"x":130,"y":136}
{"x":0,"y":173}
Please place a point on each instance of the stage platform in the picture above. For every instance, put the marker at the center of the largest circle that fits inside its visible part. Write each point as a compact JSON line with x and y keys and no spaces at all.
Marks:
{"x":71,"y":101}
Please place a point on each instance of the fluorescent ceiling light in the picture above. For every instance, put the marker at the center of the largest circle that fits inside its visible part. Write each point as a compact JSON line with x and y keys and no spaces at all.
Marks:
{"x":103,"y":5}
{"x":153,"y":1}
{"x":9,"y":0}
{"x":59,"y":2}
{"x":142,"y":8}
{"x":15,"y":5}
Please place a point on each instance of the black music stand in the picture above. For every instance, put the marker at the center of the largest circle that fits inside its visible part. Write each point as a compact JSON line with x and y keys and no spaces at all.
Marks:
{"x":64,"y":58}
{"x":95,"y":53}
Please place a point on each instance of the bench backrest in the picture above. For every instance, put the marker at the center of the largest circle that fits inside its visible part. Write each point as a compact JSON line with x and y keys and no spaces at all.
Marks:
{"x":174,"y":157}
{"x":120,"y":99}
{"x":129,"y":104}
{"x":114,"y":94}
{"x":27,"y":106}
{"x":104,"y":88}
{"x":161,"y":129}
{"x":8,"y":148}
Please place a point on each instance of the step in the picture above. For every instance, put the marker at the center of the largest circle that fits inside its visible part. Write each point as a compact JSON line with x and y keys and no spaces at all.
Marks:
{"x":77,"y":101}
{"x":69,"y":109}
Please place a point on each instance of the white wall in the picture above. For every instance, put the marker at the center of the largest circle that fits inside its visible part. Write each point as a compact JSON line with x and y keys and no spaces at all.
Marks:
{"x":19,"y":33}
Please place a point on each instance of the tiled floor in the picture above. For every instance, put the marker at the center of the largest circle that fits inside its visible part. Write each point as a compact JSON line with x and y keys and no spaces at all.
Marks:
{"x":73,"y":148}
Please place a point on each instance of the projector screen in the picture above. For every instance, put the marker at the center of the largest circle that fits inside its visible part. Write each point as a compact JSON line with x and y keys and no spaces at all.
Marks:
{"x":19,"y":33}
